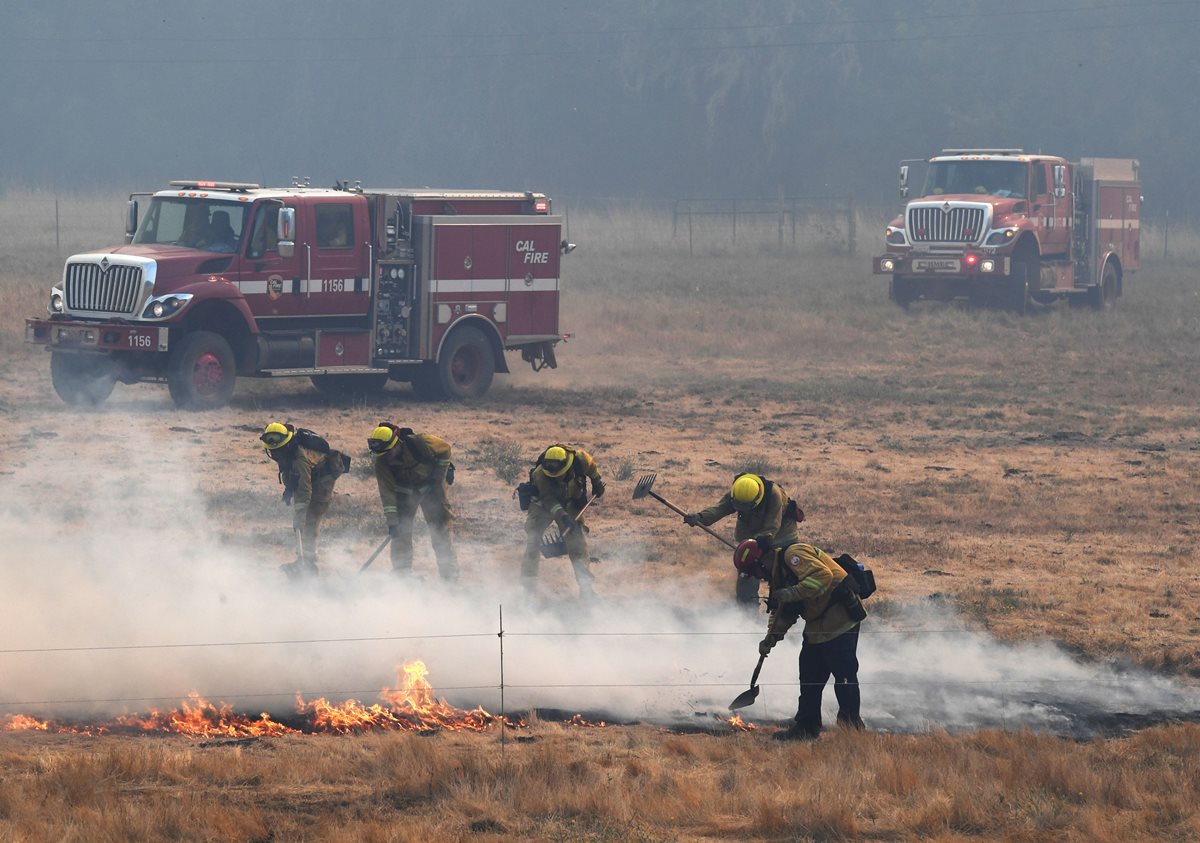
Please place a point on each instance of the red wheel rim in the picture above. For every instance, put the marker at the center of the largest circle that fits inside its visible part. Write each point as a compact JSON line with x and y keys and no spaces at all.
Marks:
{"x":465,"y":366}
{"x":208,"y":374}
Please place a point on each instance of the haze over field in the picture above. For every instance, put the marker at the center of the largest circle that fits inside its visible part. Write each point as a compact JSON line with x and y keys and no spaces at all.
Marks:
{"x":664,"y":99}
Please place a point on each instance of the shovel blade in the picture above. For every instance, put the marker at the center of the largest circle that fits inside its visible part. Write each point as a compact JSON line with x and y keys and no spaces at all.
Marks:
{"x":744,"y":699}
{"x":642,"y":488}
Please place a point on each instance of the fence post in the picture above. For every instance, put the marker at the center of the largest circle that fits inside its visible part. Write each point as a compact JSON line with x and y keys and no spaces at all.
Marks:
{"x":503,"y":713}
{"x":780,"y":218}
{"x":851,"y":226}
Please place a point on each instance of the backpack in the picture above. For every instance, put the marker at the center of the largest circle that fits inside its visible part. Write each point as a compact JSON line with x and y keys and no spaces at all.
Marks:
{"x":863,"y":577}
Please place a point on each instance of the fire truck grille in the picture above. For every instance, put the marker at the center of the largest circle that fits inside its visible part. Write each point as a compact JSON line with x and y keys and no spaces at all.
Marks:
{"x":115,"y":291}
{"x":957,"y":225}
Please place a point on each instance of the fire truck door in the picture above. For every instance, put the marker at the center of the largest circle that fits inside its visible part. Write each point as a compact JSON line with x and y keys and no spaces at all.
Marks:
{"x":470,"y":274}
{"x":339,"y":282}
{"x":533,"y":262}
{"x":1053,"y":215}
{"x":273,"y":286}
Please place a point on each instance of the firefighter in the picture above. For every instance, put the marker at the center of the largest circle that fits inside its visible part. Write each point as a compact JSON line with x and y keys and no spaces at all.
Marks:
{"x":308,"y":469}
{"x":414,"y":470}
{"x":556,"y":493}
{"x":806,"y":582}
{"x":764,"y":511}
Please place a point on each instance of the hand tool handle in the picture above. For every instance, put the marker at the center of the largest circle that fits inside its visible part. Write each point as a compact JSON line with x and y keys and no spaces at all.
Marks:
{"x":706,"y":529}
{"x":378,"y":551}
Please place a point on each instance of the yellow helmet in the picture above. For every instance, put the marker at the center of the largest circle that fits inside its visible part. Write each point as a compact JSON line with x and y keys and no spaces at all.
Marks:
{"x":276,"y":435}
{"x":382,"y":439}
{"x":747,"y":492}
{"x":556,"y":461}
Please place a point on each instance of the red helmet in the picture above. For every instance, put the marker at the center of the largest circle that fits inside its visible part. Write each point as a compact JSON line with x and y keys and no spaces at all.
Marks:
{"x":747,"y":557}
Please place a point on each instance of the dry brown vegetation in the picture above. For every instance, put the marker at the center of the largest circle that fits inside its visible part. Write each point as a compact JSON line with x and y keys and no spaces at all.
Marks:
{"x":1040,"y":473}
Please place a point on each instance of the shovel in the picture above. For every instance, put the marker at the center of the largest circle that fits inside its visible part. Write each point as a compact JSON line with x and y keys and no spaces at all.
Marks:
{"x":554,"y":540}
{"x":748,"y":697}
{"x":378,"y":551}
{"x":643,"y":488}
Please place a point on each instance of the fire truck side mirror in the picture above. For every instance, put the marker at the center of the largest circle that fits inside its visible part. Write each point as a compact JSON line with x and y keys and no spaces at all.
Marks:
{"x":287,"y":232}
{"x":1060,"y":181}
{"x":131,"y":220}
{"x":904,"y":181}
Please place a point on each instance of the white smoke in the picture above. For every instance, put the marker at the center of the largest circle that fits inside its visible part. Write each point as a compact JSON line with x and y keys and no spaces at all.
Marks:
{"x":112,"y":576}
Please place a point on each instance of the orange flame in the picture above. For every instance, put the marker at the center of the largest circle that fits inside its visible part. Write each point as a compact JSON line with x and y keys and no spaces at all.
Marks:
{"x":23,"y":722}
{"x":578,"y":720}
{"x":739,"y":724}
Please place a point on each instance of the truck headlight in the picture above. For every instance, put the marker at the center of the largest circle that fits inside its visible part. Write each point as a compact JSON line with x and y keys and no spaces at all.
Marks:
{"x":161,"y":307}
{"x":887,"y":265}
{"x":894,"y":236}
{"x":1001,"y":236}
{"x":56,"y":302}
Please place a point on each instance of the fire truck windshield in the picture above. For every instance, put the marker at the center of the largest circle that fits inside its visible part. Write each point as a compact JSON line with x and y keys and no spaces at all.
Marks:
{"x":207,"y":224}
{"x":987,"y":178}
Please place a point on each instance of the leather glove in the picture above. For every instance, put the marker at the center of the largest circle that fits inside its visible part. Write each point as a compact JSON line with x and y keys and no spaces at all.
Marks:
{"x":765,"y":541}
{"x":767,"y":644}
{"x":565,"y":522}
{"x":692,"y":519}
{"x":287,"y":496}
{"x":597,"y":488}
{"x":450,"y":475}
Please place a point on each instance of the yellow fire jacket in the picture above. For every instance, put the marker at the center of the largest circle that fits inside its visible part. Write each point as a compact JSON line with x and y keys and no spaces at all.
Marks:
{"x":770,"y":516}
{"x":416,"y":466}
{"x":299,"y":469}
{"x":803,"y":579}
{"x":567,"y":492}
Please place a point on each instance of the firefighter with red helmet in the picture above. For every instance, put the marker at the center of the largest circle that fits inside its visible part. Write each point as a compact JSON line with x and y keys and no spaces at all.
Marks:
{"x":806,"y":582}
{"x":764,"y":511}
{"x":308,"y":469}
{"x":556,"y":493}
{"x":414,"y":471}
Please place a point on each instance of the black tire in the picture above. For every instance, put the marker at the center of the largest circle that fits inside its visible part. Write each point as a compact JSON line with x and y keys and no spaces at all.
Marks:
{"x":1104,"y":296}
{"x":201,"y":372}
{"x":1016,"y":289}
{"x":902,"y":291}
{"x":343,"y":387}
{"x":81,"y":380}
{"x":467,"y":364}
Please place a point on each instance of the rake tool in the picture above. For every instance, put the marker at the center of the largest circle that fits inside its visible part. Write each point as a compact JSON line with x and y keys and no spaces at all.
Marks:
{"x":554,"y":540}
{"x":747,"y":697}
{"x":643,"y":488}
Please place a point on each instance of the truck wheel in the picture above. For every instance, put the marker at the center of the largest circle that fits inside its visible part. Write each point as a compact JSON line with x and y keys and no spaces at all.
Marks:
{"x":81,"y":379}
{"x":342,"y":387}
{"x":201,"y":372}
{"x":466,"y":366}
{"x":901,"y":291}
{"x":1016,"y":290}
{"x":1104,"y":296}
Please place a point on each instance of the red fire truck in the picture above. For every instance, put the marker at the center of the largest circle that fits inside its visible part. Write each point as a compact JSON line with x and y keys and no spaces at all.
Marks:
{"x":999,"y":225}
{"x":348,"y":286}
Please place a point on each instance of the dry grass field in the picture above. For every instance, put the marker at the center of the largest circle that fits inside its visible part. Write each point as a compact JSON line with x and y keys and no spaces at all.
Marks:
{"x":1026,"y":480}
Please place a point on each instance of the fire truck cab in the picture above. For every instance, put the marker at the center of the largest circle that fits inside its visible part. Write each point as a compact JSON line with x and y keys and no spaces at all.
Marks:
{"x":1005,"y":226}
{"x":348,"y":286}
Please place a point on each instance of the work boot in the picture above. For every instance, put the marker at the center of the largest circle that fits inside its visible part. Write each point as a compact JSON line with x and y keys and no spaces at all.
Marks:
{"x":851,"y":721}
{"x":799,"y":731}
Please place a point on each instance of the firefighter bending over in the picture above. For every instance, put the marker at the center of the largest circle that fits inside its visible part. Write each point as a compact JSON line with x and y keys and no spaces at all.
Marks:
{"x":556,"y":493}
{"x":764,"y":511}
{"x":414,"y":470}
{"x":807,"y":583}
{"x":308,"y":468}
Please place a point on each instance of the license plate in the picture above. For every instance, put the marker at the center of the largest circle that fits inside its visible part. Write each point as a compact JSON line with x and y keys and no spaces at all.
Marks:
{"x":936,"y":265}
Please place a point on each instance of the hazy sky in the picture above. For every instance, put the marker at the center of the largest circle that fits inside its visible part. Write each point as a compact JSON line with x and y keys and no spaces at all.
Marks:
{"x":654,"y":98}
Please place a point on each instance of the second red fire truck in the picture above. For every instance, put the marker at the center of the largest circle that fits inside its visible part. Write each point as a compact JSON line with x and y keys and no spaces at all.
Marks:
{"x":1005,"y":226}
{"x":350,"y":287}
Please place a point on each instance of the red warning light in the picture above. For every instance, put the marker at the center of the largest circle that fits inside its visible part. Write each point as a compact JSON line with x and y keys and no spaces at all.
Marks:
{"x":972,"y":260}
